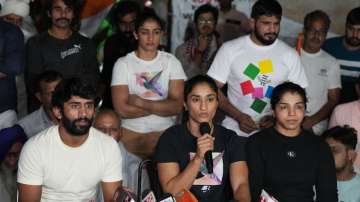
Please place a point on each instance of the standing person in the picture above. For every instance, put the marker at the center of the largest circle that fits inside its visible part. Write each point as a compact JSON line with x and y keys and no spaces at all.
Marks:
{"x":346,"y":49}
{"x":286,"y":161}
{"x":12,"y":62}
{"x":181,"y":150}
{"x":252,"y":66}
{"x":342,"y":141}
{"x":60,"y":48}
{"x":349,"y":114}
{"x":147,"y":86}
{"x":322,"y":72}
{"x":67,"y":161}
{"x":232,"y":23}
{"x":120,"y":43}
{"x":197,"y":53}
{"x":17,"y":13}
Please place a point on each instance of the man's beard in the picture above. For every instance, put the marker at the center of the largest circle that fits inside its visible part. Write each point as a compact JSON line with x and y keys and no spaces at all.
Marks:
{"x":74,"y":130}
{"x":352,"y":41}
{"x":264,"y":41}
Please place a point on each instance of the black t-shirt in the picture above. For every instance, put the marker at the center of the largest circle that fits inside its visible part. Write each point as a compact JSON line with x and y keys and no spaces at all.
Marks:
{"x":72,"y":57}
{"x":178,"y":145}
{"x":288,"y":167}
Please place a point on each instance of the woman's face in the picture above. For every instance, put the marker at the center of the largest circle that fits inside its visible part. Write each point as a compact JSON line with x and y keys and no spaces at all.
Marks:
{"x":148,"y":36}
{"x":289,"y":113}
{"x":201,"y":103}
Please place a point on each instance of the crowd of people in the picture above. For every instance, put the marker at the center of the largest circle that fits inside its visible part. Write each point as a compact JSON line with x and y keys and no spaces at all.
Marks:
{"x":282,"y":122}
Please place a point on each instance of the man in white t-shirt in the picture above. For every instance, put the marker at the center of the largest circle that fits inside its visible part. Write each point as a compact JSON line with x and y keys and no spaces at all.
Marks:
{"x":147,"y":88}
{"x":66,"y":162}
{"x":322,"y":72}
{"x":342,"y":141}
{"x":252,"y":66}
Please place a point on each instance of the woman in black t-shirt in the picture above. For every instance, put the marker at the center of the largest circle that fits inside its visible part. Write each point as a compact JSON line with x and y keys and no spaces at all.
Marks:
{"x":286,"y":161}
{"x":181,"y":149}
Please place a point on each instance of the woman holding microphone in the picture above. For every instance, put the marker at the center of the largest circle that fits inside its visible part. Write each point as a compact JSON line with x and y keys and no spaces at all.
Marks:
{"x":182,"y":150}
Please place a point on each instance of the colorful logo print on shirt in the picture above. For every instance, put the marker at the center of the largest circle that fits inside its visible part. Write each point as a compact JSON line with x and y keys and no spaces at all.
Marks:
{"x":256,"y":86}
{"x":150,"y":81}
{"x":210,"y":179}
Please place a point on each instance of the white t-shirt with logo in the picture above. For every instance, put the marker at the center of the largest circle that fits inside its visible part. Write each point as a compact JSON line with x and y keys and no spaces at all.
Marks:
{"x":69,"y":173}
{"x":252,"y":72}
{"x":323,"y":73}
{"x":149,"y":80}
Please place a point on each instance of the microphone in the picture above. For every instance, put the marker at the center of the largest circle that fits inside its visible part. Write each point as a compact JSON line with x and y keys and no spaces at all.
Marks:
{"x":205,"y":128}
{"x":149,"y":196}
{"x":167,"y":198}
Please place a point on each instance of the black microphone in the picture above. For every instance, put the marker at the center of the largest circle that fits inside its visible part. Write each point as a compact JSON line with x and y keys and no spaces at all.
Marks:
{"x":205,"y":128}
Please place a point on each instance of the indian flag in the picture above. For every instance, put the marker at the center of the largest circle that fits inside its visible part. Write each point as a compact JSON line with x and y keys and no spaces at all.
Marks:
{"x":94,"y":12}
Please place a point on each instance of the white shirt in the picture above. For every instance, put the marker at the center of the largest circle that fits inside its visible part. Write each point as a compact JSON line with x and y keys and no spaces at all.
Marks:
{"x":323,"y":74}
{"x":149,"y":80}
{"x":252,"y":71}
{"x":69,"y":173}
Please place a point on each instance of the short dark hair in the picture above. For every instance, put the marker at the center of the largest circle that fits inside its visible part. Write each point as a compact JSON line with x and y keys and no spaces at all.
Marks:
{"x":267,"y":8}
{"x":199,"y":79}
{"x":353,"y":18}
{"x":72,"y":87}
{"x":346,"y":135}
{"x":286,"y":87}
{"x":47,"y":77}
{"x":148,"y":14}
{"x":75,"y":5}
{"x":317,"y":15}
{"x":206,"y":8}
{"x":122,"y":9}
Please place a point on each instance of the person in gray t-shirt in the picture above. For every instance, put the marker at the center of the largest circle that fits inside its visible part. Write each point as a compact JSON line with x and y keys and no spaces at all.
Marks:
{"x":43,"y":117}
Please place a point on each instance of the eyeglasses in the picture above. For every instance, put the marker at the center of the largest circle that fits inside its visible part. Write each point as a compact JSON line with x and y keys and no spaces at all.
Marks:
{"x":203,"y":21}
{"x":316,"y":31}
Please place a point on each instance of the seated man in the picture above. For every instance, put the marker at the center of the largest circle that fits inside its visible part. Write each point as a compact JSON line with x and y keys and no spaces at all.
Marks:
{"x":66,"y":162}
{"x":342,"y":141}
{"x":9,"y":163}
{"x":43,"y":117}
{"x":108,"y":121}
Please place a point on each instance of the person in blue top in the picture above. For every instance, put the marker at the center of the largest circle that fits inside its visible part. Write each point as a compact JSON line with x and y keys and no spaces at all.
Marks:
{"x":346,"y":49}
